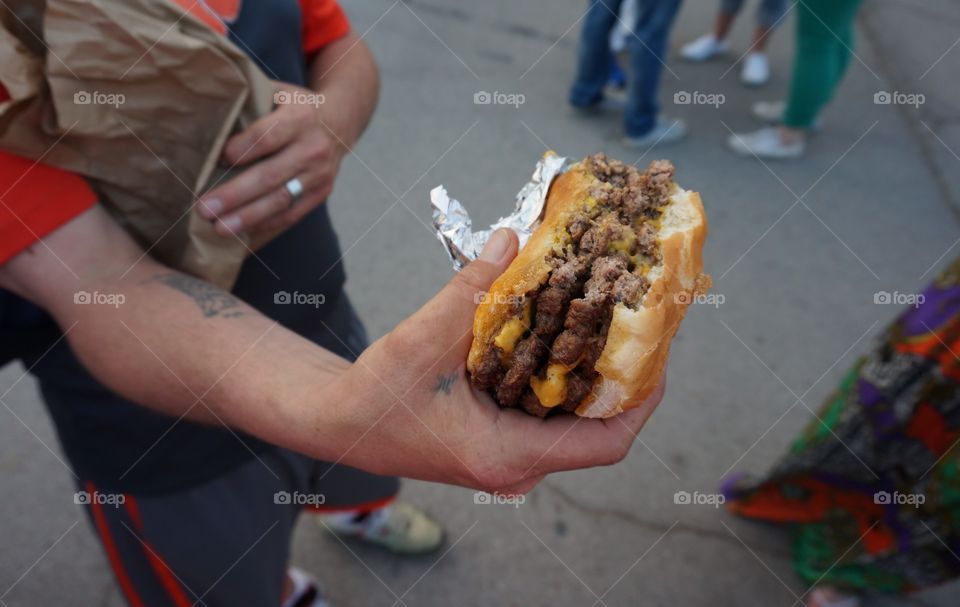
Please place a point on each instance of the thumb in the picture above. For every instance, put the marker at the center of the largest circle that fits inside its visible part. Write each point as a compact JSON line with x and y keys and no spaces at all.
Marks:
{"x":449,"y":315}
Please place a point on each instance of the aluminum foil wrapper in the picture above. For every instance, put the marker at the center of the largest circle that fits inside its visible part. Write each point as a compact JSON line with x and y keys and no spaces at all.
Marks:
{"x":455,"y":229}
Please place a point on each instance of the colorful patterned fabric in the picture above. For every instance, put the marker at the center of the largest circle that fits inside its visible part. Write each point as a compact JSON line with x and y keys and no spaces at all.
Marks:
{"x":871,"y":489}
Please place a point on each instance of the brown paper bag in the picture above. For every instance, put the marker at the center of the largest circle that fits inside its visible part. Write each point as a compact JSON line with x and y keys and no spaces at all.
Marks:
{"x":139,"y":98}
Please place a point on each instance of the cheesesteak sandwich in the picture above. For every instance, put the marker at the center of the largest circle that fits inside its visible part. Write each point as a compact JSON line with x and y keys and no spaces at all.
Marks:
{"x":582,"y":320}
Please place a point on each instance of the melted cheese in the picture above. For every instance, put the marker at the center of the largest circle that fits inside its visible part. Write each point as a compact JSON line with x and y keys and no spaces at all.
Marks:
{"x":512,"y":331}
{"x":626,"y":243}
{"x":553,"y":388}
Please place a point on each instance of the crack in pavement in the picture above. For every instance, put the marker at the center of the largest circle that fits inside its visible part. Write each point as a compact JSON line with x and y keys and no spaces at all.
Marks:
{"x":632,"y":519}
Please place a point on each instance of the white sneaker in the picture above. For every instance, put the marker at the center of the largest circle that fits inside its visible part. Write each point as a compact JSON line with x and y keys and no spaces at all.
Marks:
{"x":399,"y":527}
{"x":666,"y":130}
{"x":304,"y":591}
{"x":772,"y":112}
{"x":756,"y":69}
{"x":766,"y":143}
{"x":704,"y":48}
{"x":769,"y":111}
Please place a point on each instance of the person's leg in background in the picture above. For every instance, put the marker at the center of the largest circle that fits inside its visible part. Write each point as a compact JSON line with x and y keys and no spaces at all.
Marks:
{"x":824,"y":43}
{"x":756,"y":66}
{"x":594,"y":57}
{"x":714,"y":43}
{"x":647,"y":53}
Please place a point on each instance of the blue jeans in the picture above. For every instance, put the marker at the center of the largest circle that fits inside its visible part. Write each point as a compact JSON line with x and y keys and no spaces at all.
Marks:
{"x":769,"y":12}
{"x":647,"y":49}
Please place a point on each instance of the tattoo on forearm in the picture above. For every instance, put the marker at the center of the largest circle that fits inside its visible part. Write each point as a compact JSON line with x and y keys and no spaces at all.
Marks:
{"x":212,"y":301}
{"x":445,"y":383}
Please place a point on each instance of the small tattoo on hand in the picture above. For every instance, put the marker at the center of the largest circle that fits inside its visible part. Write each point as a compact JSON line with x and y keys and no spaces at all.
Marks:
{"x":445,"y":383}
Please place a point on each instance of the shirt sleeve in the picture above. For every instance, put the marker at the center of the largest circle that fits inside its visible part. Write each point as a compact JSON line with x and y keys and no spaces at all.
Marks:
{"x":35,"y":200}
{"x":38,"y":200}
{"x":323,"y":22}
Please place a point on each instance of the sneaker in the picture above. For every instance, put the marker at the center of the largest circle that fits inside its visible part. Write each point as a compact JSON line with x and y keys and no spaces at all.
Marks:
{"x":772,"y":112}
{"x":305,"y":591}
{"x":666,"y":130}
{"x":704,"y":48}
{"x":766,"y":143}
{"x":769,"y":111}
{"x":399,"y":527}
{"x":756,"y":69}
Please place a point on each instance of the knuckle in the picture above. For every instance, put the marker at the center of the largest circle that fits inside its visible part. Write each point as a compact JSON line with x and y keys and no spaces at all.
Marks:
{"x":281,"y":200}
{"x":317,"y":149}
{"x":472,"y":277}
{"x":273,"y":176}
{"x":269,"y":140}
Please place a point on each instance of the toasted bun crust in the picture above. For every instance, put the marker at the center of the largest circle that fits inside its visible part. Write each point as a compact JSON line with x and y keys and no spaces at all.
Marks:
{"x":638,"y":341}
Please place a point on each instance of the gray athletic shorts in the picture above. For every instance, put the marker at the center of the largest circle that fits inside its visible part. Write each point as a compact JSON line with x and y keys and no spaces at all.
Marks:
{"x":224,"y":543}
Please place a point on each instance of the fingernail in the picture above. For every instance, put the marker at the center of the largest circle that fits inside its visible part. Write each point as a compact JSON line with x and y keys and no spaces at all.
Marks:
{"x":210,"y":207}
{"x":232,"y":223}
{"x":496,"y":247}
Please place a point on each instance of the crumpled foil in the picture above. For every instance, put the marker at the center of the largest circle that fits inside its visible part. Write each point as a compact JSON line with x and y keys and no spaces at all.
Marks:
{"x":455,"y":229}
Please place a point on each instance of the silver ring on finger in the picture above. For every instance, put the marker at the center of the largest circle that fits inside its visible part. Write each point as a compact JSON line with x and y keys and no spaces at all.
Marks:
{"x":294,"y":187}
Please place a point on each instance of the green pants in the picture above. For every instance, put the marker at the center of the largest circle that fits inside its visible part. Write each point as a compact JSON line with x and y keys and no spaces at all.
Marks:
{"x":824,"y":46}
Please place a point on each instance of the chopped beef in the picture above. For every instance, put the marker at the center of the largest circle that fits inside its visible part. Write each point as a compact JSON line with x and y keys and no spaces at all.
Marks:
{"x":567,"y":347}
{"x":596,"y":240}
{"x":657,"y":182}
{"x":577,"y":227}
{"x":489,"y":372}
{"x":524,"y":362}
{"x":582,"y":315}
{"x":627,"y":288}
{"x":586,"y":313}
{"x":531,"y":404}
{"x":603,"y":273}
{"x":579,"y":385}
{"x":570,"y":273}
{"x":647,"y":241}
{"x":551,"y":303}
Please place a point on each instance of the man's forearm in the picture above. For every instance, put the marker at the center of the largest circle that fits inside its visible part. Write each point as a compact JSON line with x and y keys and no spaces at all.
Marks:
{"x":346,"y":73}
{"x":182,"y":346}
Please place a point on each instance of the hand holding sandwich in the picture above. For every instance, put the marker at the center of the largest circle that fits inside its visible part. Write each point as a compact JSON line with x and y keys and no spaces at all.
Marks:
{"x":431,"y":424}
